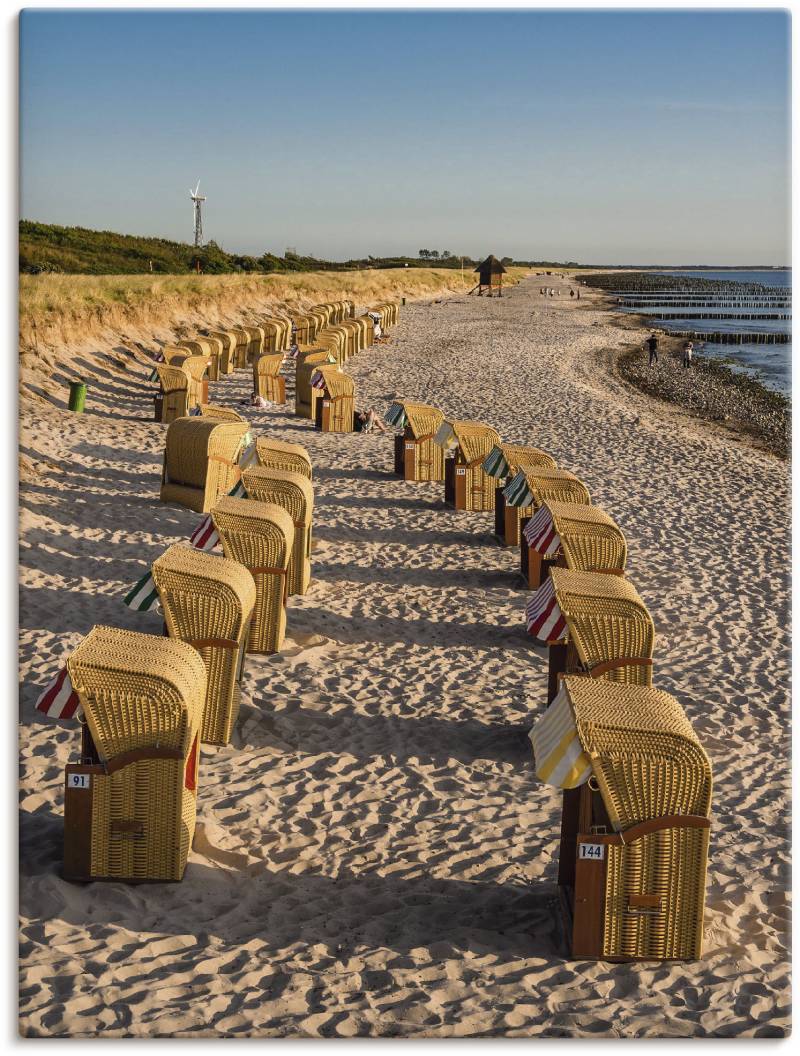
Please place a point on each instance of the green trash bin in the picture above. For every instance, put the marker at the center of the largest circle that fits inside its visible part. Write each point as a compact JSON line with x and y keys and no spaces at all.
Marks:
{"x":77,"y":396}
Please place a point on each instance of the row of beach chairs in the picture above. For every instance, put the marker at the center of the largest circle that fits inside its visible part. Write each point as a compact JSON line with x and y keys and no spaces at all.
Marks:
{"x":635,"y":780}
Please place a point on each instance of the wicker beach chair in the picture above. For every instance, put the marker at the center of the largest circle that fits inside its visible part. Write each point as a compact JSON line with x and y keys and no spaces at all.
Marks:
{"x":260,"y":536}
{"x":208,"y":603}
{"x":571,"y":535}
{"x":267,"y":380}
{"x":635,"y":820}
{"x":307,"y":362}
{"x":595,"y":624}
{"x":304,"y":328}
{"x":416,"y":456}
{"x":240,"y":349}
{"x":335,"y":408}
{"x":291,"y":458}
{"x":130,"y":803}
{"x":332,"y":340}
{"x":525,"y":492}
{"x":295,"y":494}
{"x":466,"y":485}
{"x":227,"y":356}
{"x":208,"y":348}
{"x":174,"y":354}
{"x":503,"y":463}
{"x":173,"y":400}
{"x":197,"y":369}
{"x":201,"y":461}
{"x":221,"y":414}
{"x":255,"y":343}
{"x":389,"y":312}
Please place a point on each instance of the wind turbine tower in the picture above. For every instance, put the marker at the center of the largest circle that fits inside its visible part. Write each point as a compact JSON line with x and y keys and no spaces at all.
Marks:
{"x":197,"y":199}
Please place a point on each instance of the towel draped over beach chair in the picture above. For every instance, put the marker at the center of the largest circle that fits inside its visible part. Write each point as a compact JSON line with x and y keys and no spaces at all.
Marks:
{"x":503,"y":462}
{"x":295,"y":494}
{"x":335,"y":406}
{"x":208,"y":603}
{"x":267,"y":380}
{"x":201,"y":460}
{"x":635,"y":823}
{"x":583,"y":538}
{"x":275,"y":454}
{"x":466,"y":485}
{"x":416,"y":456}
{"x":130,"y":804}
{"x":260,"y":536}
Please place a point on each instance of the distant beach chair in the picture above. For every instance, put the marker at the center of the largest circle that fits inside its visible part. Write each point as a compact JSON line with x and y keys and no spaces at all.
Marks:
{"x":201,"y":461}
{"x":174,"y":355}
{"x":466,"y":485}
{"x":227,"y":356}
{"x":335,"y":407}
{"x":221,"y":414}
{"x":389,"y":312}
{"x":635,"y":819}
{"x":173,"y":400}
{"x":305,"y":397}
{"x":208,"y":348}
{"x":241,"y":347}
{"x":294,"y":493}
{"x":255,"y":344}
{"x":260,"y":536}
{"x":130,"y":803}
{"x":276,"y":334}
{"x":267,"y":380}
{"x":575,"y":536}
{"x":595,"y":624}
{"x":208,"y":603}
{"x":197,"y":369}
{"x":416,"y":456}
{"x":291,"y":458}
{"x":502,"y":463}
{"x":334,"y":341}
{"x":526,"y":492}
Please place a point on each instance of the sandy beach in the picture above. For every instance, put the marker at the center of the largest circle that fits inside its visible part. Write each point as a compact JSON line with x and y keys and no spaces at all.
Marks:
{"x":375,"y":856}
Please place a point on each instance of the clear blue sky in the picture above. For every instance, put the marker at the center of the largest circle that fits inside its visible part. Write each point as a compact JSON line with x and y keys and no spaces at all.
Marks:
{"x":643,"y":137}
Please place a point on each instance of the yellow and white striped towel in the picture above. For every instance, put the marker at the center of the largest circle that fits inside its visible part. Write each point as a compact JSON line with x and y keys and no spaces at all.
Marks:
{"x":557,"y":750}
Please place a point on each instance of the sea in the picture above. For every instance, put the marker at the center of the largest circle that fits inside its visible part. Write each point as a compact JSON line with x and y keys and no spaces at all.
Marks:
{"x":754,"y":293}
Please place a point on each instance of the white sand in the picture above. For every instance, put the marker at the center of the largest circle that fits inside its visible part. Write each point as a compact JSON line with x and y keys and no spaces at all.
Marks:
{"x":375,"y":855}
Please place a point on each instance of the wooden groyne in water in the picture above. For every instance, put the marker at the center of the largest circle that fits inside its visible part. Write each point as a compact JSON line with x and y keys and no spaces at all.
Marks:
{"x":733,"y":339}
{"x":718,"y":315}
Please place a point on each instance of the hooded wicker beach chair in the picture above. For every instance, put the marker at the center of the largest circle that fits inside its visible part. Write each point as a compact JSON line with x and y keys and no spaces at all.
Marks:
{"x":334,"y":341}
{"x":267,"y":380}
{"x":207,"y":347}
{"x":635,"y":820}
{"x":255,"y":343}
{"x":130,"y":803}
{"x":275,"y":332}
{"x":208,"y":603}
{"x":197,"y":369}
{"x":221,"y":414}
{"x":503,"y":462}
{"x":572,"y":535}
{"x":335,"y":408}
{"x":291,"y":458}
{"x":595,"y":624}
{"x":466,"y":485}
{"x":201,"y":461}
{"x":240,"y":349}
{"x":174,"y":354}
{"x":260,"y":536}
{"x":526,"y":492}
{"x":227,"y":356}
{"x":416,"y":456}
{"x":307,"y":362}
{"x":173,"y":400}
{"x":295,"y":494}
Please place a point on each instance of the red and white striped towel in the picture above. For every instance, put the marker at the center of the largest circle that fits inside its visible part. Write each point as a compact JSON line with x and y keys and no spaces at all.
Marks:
{"x":540,"y":533}
{"x":543,"y":616}
{"x":59,"y":700}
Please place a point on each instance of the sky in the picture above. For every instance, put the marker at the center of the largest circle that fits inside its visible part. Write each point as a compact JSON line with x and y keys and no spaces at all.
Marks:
{"x":592,"y":136}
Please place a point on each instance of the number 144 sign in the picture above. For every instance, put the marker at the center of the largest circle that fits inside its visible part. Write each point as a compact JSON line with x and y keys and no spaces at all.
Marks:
{"x":596,"y":852}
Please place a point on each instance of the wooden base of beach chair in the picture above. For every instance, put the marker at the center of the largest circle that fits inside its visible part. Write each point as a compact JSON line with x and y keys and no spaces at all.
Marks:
{"x":158,"y":408}
{"x":534,"y":568}
{"x":399,"y":456}
{"x":328,"y":417}
{"x":450,"y":481}
{"x":506,"y":520}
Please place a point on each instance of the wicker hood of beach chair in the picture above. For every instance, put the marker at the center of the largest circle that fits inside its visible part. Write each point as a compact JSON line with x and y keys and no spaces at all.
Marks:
{"x":335,"y":407}
{"x":196,"y":368}
{"x":260,"y":536}
{"x":304,"y":328}
{"x":175,"y":384}
{"x":241,"y":347}
{"x":208,"y":603}
{"x":130,"y":804}
{"x":333,"y":341}
{"x":255,"y":343}
{"x":609,"y":631}
{"x":307,"y":362}
{"x":201,"y":461}
{"x":221,"y":414}
{"x":209,"y":349}
{"x":267,"y":380}
{"x":467,"y":486}
{"x":635,"y":824}
{"x":173,"y":352}
{"x":295,"y":494}
{"x":591,"y":541}
{"x":274,"y":334}
{"x":416,"y":456}
{"x":227,"y":339}
{"x":291,"y":458}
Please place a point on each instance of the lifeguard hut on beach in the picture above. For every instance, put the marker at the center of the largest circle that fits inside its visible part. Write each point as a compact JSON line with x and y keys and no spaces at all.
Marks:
{"x":490,"y":277}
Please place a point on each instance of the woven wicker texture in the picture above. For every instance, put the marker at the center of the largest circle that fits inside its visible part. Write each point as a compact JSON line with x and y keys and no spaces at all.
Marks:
{"x":590,"y":540}
{"x":339,"y":389}
{"x":307,"y":362}
{"x":422,"y":419}
{"x":255,"y":343}
{"x":208,"y":602}
{"x":556,"y":484}
{"x":260,"y":536}
{"x":200,"y":461}
{"x":144,"y":693}
{"x":648,"y":763}
{"x":606,"y":620}
{"x":242,"y":345}
{"x":474,"y":441}
{"x":175,"y":392}
{"x":292,"y":458}
{"x":172,"y":352}
{"x":227,"y":356}
{"x":294,"y":493}
{"x":520,"y":456}
{"x":266,"y":377}
{"x":220,"y":414}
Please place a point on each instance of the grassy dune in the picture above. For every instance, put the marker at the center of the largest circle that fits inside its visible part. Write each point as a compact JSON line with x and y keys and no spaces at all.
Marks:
{"x":60,"y":310}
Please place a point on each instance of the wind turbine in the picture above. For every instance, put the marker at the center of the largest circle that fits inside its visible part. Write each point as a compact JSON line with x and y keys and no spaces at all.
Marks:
{"x":197,"y":199}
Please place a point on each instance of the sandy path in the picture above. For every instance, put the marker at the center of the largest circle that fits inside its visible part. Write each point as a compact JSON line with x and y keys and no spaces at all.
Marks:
{"x":391,"y":856}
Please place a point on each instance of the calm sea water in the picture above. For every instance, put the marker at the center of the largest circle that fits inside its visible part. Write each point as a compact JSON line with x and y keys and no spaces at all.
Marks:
{"x":771,"y":364}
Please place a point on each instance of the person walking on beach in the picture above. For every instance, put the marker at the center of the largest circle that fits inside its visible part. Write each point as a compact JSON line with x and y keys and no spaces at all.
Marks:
{"x":652,"y":348}
{"x":688,"y":351}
